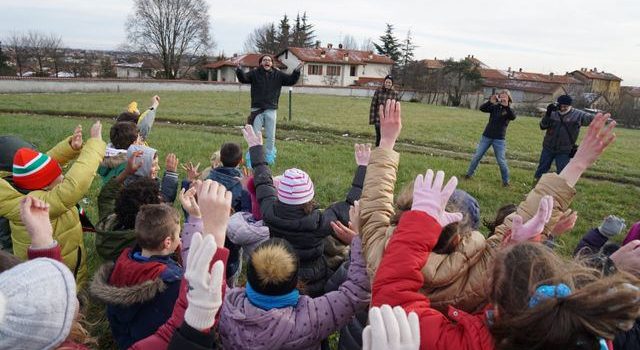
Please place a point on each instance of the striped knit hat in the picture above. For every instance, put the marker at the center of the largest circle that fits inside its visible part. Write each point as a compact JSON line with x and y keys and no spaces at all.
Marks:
{"x":33,"y":170}
{"x":295,"y":187}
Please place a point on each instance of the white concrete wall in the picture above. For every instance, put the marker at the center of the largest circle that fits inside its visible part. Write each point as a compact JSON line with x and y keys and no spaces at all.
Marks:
{"x":374,"y":70}
{"x":50,"y":85}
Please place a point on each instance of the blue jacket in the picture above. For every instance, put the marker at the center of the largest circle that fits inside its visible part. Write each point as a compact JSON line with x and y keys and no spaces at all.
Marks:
{"x":228,"y":177}
{"x":139,"y":293}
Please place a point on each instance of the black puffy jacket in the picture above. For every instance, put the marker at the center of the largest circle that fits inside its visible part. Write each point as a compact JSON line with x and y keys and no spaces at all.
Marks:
{"x":266,"y":85}
{"x":305,"y":232}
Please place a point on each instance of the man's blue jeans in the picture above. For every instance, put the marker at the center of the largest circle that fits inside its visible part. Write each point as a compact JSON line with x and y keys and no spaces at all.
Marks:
{"x":499,"y":148}
{"x":547,"y":157}
{"x":268,"y":120}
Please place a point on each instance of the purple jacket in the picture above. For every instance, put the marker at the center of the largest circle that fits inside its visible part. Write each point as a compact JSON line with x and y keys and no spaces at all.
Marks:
{"x":191,"y":226}
{"x":591,"y":242}
{"x":244,"y":326}
{"x":634,"y":233}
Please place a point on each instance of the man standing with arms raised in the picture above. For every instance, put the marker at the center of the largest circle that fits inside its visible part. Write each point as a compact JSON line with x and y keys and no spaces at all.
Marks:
{"x":266,"y":82}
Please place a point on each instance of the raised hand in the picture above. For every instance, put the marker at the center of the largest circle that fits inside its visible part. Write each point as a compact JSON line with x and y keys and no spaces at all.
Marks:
{"x":76,"y":139}
{"x":431,"y":198}
{"x":362,"y":153}
{"x":565,"y":224}
{"x":390,"y":123}
{"x":343,"y":233}
{"x":627,"y":258}
{"x":34,"y":214}
{"x":533,"y":228}
{"x":171,"y":163}
{"x":205,"y":286}
{"x":251,"y":137}
{"x":155,"y":101}
{"x":215,"y":205}
{"x":96,"y":130}
{"x":189,"y":203}
{"x":391,"y":329}
{"x":192,"y":171}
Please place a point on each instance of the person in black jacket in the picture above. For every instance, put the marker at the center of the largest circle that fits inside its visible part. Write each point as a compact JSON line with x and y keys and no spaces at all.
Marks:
{"x":290,"y":213}
{"x":500,"y":114}
{"x":266,"y":82}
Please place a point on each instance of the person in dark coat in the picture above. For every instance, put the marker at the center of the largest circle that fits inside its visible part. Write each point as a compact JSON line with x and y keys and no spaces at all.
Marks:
{"x":382,"y":94}
{"x":266,"y":82}
{"x":562,"y":124}
{"x":500,"y":114}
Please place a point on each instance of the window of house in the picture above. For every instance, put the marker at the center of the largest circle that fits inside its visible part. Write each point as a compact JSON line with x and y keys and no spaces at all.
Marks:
{"x":314,"y":69}
{"x":353,"y":71}
{"x":333,"y":70}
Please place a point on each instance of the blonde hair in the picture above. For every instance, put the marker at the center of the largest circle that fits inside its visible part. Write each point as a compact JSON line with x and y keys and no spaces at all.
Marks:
{"x":508,"y":93}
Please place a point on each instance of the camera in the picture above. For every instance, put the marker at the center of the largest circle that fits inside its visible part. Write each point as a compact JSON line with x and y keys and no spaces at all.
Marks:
{"x":553,"y":107}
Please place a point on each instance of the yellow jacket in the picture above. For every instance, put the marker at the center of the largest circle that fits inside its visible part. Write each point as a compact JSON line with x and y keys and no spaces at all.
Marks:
{"x":62,"y":199}
{"x":460,"y":278}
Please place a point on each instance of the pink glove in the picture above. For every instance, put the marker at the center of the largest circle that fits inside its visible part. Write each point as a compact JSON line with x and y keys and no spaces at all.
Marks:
{"x":523,"y":232}
{"x":431,"y":198}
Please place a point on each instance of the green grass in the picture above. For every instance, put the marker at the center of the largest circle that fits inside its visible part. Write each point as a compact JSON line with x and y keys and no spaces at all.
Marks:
{"x":447,"y":128}
{"x":314,"y":143}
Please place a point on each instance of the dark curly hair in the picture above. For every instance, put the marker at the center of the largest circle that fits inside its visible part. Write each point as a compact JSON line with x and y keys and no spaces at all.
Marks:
{"x":130,"y":198}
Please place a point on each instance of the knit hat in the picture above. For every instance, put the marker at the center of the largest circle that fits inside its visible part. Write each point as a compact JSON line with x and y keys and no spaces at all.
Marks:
{"x":468,"y":205}
{"x":611,"y":226}
{"x":37,"y":305}
{"x":133,"y":108}
{"x":273,"y":268}
{"x":9,"y":145}
{"x":389,"y":77}
{"x":634,"y":233}
{"x":565,"y":100}
{"x":33,"y":170}
{"x":295,"y":187}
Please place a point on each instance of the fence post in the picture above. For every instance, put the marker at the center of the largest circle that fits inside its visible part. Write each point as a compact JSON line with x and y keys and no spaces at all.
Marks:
{"x":290,"y":95}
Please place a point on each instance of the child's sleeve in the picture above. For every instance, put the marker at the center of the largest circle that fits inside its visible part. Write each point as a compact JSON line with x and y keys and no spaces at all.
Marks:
{"x":169,"y":186}
{"x":145,"y":122}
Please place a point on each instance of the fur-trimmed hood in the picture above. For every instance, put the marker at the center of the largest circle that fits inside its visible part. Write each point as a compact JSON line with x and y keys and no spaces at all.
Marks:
{"x":123,"y":296}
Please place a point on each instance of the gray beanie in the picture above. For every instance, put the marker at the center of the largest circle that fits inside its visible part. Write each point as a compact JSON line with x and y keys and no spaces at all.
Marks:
{"x":468,"y":205}
{"x":37,"y":305}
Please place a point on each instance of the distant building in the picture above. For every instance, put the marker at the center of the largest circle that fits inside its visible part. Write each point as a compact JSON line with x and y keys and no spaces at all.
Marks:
{"x":225,"y":70}
{"x":337,"y":66}
{"x":139,"y":70}
{"x":603,"y":84}
{"x":632,"y":93}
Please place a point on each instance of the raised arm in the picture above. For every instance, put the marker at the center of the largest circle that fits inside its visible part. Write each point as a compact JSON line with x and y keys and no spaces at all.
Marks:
{"x":266,"y":193}
{"x":290,"y":79}
{"x":244,"y":78}
{"x":67,"y":149}
{"x":145,"y":121}
{"x":376,"y":203}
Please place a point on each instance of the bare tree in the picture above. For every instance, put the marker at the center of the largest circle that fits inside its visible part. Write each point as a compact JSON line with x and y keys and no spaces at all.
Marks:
{"x":349,"y":42}
{"x":54,"y":50}
{"x":367,"y":45}
{"x":262,"y":39}
{"x":17,"y":43}
{"x":171,"y":31}
{"x":37,"y":44}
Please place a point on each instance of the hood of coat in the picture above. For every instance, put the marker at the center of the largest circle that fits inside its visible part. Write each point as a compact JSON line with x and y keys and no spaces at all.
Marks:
{"x":148,"y":154}
{"x":123,"y":296}
{"x":227,"y":176}
{"x":245,"y":326}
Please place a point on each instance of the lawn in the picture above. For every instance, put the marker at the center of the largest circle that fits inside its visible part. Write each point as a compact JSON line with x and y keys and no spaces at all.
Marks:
{"x":317,"y":142}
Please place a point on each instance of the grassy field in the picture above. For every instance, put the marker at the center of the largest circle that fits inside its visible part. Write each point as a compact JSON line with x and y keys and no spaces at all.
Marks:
{"x":317,"y":142}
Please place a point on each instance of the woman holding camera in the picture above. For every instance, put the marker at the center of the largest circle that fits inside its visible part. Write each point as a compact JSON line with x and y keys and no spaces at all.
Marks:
{"x":500,"y":114}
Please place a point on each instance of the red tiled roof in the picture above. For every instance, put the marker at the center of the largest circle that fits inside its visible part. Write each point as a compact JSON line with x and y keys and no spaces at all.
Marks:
{"x":334,"y":55}
{"x":590,"y":74}
{"x":522,"y":85}
{"x":527,"y":76}
{"x":433,"y":64}
{"x":247,"y":60}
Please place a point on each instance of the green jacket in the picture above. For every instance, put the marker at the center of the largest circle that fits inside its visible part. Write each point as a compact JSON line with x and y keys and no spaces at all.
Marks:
{"x":110,"y":242}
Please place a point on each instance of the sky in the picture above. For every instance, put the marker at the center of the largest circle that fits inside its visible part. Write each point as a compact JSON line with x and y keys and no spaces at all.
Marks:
{"x":538,"y":36}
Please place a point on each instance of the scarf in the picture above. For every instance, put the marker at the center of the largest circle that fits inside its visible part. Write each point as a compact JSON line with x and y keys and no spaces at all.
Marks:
{"x":268,"y":302}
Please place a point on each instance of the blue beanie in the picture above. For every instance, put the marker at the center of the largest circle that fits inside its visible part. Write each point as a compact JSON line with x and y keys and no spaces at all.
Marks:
{"x":468,"y":205}
{"x":565,"y":100}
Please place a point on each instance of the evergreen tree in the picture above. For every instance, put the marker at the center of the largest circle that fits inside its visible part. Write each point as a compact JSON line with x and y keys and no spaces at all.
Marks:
{"x":460,"y":77}
{"x":407,"y":50}
{"x":106,"y":68}
{"x":308,"y":37}
{"x":4,"y":66}
{"x":389,"y":44}
{"x":284,"y":36}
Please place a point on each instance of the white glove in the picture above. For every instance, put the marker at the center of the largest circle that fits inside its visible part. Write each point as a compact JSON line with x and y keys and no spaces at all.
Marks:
{"x":205,"y":287}
{"x":391,"y":329}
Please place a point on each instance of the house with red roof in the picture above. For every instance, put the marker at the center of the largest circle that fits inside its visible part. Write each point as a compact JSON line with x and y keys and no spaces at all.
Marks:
{"x":330,"y":66}
{"x":597,"y":82}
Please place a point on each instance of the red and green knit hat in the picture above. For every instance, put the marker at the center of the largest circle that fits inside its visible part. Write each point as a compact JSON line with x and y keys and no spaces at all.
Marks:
{"x":33,"y":170}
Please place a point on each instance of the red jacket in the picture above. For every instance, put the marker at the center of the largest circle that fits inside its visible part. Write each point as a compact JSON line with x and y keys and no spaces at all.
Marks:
{"x":399,"y":279}
{"x":160,"y":340}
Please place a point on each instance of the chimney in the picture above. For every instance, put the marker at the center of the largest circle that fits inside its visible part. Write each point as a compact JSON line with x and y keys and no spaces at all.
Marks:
{"x":317,"y":44}
{"x":329,"y":46}
{"x":235,"y":55}
{"x":509,"y":69}
{"x":340,"y":46}
{"x":595,"y":70}
{"x":322,"y":53}
{"x":551,"y":75}
{"x":520,"y":70}
{"x":370,"y":55}
{"x":346,"y":57}
{"x":472,"y":56}
{"x":435,"y":58}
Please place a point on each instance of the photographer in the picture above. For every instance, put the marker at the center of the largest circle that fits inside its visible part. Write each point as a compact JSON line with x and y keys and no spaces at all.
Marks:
{"x":500,"y":114}
{"x":562,"y":124}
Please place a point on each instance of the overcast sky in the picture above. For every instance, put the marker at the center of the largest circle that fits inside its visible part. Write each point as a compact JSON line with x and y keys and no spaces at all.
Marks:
{"x":538,"y":36}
